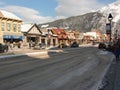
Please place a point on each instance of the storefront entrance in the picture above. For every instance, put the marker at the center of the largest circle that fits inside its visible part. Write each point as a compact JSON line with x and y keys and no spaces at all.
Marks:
{"x":33,"y":39}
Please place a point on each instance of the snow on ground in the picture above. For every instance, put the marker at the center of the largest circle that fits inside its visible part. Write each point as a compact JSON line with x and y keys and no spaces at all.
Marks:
{"x":104,"y":52}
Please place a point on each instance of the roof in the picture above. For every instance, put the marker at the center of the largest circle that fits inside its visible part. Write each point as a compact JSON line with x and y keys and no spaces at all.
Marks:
{"x":58,"y":31}
{"x":26,"y":27}
{"x":61,"y":33}
{"x":29,"y":28}
{"x":10,"y":15}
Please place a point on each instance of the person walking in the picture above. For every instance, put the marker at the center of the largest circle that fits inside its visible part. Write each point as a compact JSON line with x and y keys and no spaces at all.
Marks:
{"x":19,"y":44}
{"x":116,"y":51}
{"x":9,"y":45}
{"x":14,"y":44}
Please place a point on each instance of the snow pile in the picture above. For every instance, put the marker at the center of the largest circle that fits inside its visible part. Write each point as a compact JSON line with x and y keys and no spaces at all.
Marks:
{"x":104,"y":52}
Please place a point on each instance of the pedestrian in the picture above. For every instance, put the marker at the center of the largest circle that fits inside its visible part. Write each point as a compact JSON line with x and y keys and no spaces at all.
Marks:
{"x":116,"y":51}
{"x":30,"y":44}
{"x":9,"y":45}
{"x":14,"y":44}
{"x":19,"y":44}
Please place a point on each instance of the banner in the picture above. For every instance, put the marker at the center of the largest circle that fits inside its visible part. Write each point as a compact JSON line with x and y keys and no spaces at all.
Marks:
{"x":108,"y":28}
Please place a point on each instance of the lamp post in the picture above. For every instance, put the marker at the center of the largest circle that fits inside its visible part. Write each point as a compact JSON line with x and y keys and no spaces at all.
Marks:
{"x":48,"y":38}
{"x":110,"y":17}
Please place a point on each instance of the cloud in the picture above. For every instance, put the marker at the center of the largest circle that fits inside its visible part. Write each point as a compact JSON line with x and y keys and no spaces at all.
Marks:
{"x":28,"y":14}
{"x":76,"y":7}
{"x":65,"y":8}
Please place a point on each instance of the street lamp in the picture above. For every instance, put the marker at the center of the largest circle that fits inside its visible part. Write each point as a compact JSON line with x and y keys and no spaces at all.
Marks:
{"x":110,"y":17}
{"x":48,"y":38}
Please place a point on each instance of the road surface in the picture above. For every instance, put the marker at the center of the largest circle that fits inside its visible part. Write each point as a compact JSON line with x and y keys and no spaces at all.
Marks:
{"x":76,"y":69}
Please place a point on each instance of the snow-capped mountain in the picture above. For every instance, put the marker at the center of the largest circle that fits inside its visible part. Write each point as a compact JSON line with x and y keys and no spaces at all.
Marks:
{"x":94,"y":20}
{"x":114,"y":9}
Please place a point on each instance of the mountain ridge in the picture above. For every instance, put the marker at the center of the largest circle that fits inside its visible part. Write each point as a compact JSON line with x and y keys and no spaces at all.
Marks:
{"x":93,"y":20}
{"x":82,"y":23}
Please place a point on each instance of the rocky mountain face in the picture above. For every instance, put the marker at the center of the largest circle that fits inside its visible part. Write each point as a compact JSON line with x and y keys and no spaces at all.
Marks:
{"x":94,"y":20}
{"x":82,"y":23}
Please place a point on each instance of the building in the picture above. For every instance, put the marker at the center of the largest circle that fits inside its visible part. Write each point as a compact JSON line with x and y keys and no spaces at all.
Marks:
{"x":61,"y":35}
{"x":10,"y":27}
{"x":31,"y":33}
{"x":49,"y":37}
{"x":74,"y":36}
{"x":94,"y":35}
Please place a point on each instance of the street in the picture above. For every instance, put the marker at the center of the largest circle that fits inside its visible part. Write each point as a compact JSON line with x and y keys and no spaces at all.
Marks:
{"x":75,"y":69}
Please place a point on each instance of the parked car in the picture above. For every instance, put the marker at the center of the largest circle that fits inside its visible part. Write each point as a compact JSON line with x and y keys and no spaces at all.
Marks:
{"x":62,"y":45}
{"x":75,"y":44}
{"x":102,"y":46}
{"x":3,"y":48}
{"x":40,"y":46}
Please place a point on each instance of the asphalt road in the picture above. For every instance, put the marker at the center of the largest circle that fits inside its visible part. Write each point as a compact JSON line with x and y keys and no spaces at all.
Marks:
{"x":76,"y":69}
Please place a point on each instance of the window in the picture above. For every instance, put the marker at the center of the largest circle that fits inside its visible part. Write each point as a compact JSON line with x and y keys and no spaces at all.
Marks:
{"x":8,"y":26}
{"x":14,"y":27}
{"x":19,"y":28}
{"x":3,"y":26}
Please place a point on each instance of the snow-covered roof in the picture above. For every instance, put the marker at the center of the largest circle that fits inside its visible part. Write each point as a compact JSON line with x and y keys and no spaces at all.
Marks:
{"x":26,"y":27}
{"x":90,"y":34}
{"x":10,"y":15}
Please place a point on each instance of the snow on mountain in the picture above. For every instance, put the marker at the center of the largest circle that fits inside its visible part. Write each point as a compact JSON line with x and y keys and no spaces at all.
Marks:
{"x":114,"y":9}
{"x":93,"y":20}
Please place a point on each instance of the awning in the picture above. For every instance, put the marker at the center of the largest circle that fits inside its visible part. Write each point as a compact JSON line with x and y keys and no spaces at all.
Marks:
{"x":12,"y":37}
{"x":7,"y":37}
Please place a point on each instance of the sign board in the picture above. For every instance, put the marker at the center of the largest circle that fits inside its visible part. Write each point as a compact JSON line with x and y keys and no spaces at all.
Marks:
{"x":12,"y":37}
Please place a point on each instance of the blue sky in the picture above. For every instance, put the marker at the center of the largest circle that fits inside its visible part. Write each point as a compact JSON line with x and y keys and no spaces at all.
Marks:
{"x":41,"y":11}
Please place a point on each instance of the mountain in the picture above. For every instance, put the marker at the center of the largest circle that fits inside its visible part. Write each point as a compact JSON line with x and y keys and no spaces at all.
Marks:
{"x":82,"y":23}
{"x":114,"y":9}
{"x":94,"y":20}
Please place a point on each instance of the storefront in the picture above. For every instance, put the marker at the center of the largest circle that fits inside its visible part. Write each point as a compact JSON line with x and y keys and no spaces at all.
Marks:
{"x":34,"y":38}
{"x":31,"y":33}
{"x":12,"y":38}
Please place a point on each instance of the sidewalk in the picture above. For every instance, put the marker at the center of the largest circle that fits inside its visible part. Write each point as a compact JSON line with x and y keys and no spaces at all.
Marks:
{"x":18,"y":51}
{"x":112,"y":78}
{"x":27,"y":51}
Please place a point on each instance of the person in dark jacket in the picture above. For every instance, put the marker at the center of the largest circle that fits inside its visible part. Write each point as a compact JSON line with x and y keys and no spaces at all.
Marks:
{"x":117,"y":51}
